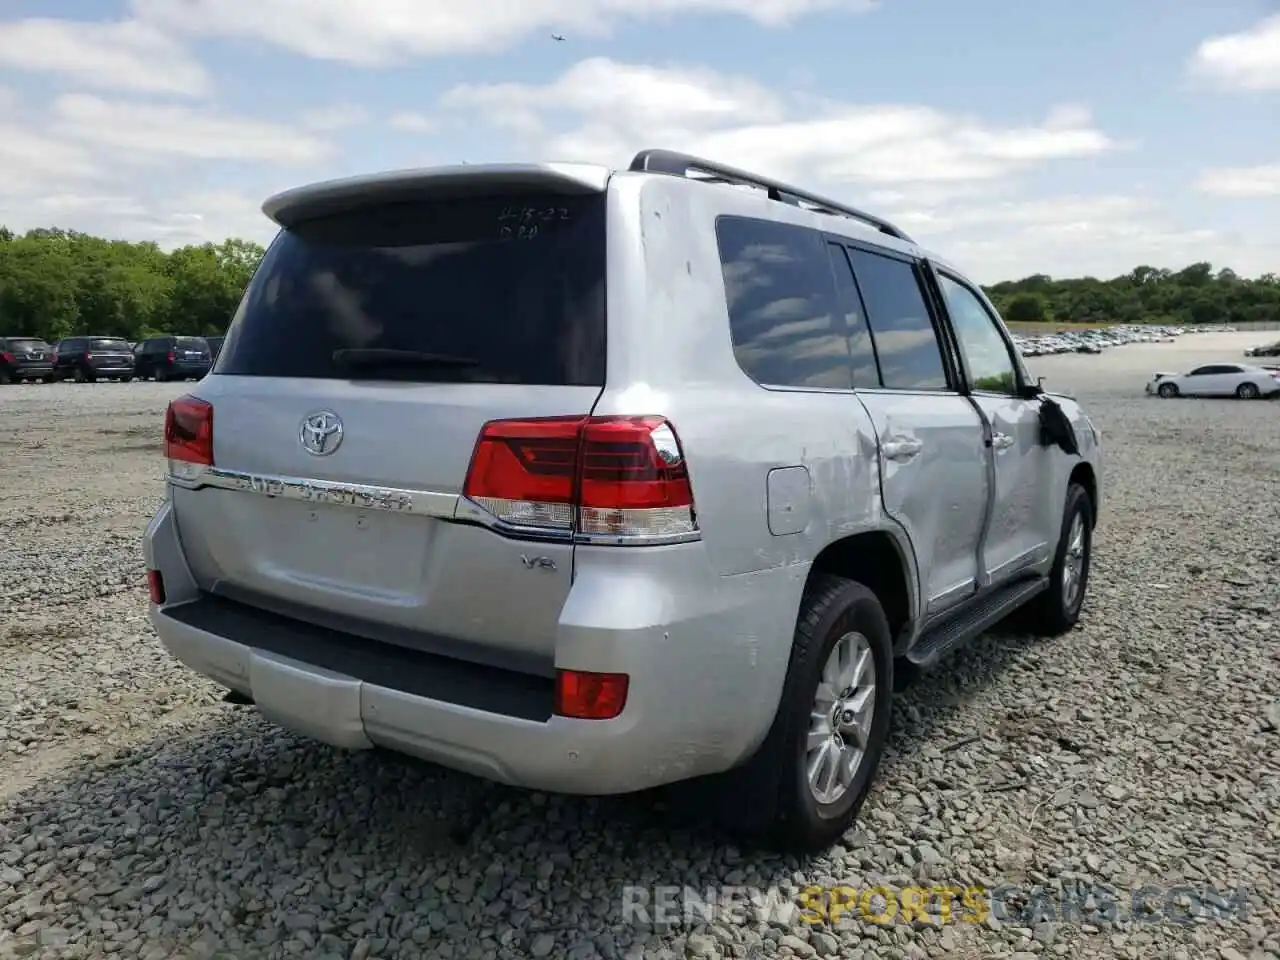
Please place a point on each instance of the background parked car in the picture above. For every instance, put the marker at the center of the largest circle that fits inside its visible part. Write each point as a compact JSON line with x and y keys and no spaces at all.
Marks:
{"x":1266,"y":350}
{"x":24,"y":358}
{"x":85,"y":359}
{"x":1217,"y":380}
{"x":173,"y":358}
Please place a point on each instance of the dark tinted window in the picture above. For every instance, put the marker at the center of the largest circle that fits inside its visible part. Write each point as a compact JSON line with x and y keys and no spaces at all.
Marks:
{"x":906,"y":343}
{"x":781,"y":299}
{"x":108,"y":343}
{"x":1213,"y":370}
{"x":192,"y":343}
{"x":511,"y":289}
{"x":861,"y":349}
{"x":25,"y":345}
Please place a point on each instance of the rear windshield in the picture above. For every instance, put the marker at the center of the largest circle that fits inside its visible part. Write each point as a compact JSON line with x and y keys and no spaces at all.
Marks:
{"x":27,"y":346}
{"x":493,"y":290}
{"x":193,"y":343}
{"x":105,"y":343}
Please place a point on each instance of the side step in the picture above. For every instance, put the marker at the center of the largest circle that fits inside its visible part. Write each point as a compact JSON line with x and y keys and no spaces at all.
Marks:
{"x":972,"y":620}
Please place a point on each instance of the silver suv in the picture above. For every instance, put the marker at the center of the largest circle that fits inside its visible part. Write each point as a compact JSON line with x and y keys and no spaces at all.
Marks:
{"x":592,"y":480}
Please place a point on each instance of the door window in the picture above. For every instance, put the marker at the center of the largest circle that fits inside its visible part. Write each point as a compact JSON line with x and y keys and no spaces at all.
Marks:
{"x":906,"y":343}
{"x":986,"y":354}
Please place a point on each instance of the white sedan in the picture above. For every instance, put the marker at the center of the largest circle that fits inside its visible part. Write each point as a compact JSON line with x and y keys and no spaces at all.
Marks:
{"x":1217,"y":380}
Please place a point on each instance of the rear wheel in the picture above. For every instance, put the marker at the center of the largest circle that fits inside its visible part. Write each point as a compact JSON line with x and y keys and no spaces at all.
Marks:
{"x":1168,"y":390}
{"x":80,"y":376}
{"x":5,"y":376}
{"x":821,"y":754}
{"x":1248,"y":391}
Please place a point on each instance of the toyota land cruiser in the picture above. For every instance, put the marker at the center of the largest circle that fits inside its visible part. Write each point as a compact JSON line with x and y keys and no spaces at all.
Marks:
{"x":593,"y":480}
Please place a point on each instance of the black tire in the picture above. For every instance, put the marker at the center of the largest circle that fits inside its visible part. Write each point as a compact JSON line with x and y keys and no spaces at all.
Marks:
{"x":1168,"y":390}
{"x":82,"y":375}
{"x":5,"y":376}
{"x":50,"y":379}
{"x":1051,"y":613}
{"x":1248,"y":391}
{"x":831,"y":608}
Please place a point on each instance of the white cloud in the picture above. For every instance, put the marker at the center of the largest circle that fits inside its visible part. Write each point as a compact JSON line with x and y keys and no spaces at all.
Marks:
{"x":1248,"y":60}
{"x":376,"y":32}
{"x":1259,"y":181}
{"x":619,"y":108}
{"x":341,"y":116}
{"x":125,"y":55}
{"x":408,"y":121}
{"x":148,"y":130}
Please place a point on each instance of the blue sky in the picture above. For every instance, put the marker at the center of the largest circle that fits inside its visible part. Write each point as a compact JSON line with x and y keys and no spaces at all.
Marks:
{"x":1064,"y":138}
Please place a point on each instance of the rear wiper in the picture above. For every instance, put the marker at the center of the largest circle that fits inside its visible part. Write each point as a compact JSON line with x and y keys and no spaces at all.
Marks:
{"x":388,"y":357}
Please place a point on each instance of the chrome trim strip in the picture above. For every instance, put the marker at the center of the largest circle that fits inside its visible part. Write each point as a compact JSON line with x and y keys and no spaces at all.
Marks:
{"x":359,"y":496}
{"x":427,"y":503}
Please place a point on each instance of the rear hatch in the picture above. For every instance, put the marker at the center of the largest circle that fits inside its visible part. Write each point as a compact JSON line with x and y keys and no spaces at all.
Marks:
{"x":28,"y":352}
{"x":411,"y":325}
{"x":191,"y":350}
{"x":109,"y":353}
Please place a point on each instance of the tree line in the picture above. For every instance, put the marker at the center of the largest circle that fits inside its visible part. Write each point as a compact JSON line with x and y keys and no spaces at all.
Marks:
{"x":59,"y":283}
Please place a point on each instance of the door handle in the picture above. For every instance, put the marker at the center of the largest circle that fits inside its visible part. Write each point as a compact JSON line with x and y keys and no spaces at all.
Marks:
{"x":1001,"y":441}
{"x":901,"y":449}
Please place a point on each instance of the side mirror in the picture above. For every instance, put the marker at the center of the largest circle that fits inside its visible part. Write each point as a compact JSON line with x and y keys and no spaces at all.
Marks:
{"x":1032,"y":390}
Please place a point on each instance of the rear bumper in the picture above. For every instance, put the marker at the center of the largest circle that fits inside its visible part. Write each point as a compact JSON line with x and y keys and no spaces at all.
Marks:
{"x":705,"y":678}
{"x":30,"y":371}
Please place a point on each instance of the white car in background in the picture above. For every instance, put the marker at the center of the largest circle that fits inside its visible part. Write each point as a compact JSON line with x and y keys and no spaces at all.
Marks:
{"x":1217,"y":380}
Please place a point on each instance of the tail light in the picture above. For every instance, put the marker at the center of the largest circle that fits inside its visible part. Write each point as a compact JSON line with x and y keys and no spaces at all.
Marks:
{"x":169,"y":357}
{"x":86,"y":356}
{"x":610,"y":479}
{"x":6,"y":356}
{"x":155,"y":587}
{"x":188,"y":436}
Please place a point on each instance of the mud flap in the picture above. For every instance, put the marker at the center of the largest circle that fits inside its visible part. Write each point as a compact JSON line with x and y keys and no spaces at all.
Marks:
{"x":1056,"y":429}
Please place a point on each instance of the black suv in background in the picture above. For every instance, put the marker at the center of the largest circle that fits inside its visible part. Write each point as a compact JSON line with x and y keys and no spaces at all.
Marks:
{"x":172,"y":358}
{"x":25,"y":358}
{"x":86,"y":359}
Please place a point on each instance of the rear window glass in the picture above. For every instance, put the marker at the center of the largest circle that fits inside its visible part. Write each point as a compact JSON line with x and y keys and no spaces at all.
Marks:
{"x":192,"y":343}
{"x":104,"y":343}
{"x":27,"y":346}
{"x":492,"y":290}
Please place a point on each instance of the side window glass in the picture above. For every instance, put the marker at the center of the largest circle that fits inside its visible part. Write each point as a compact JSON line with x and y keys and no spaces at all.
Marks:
{"x":906,"y":343}
{"x":986,"y":355}
{"x":866,"y":373}
{"x":781,"y":299}
{"x":1201,"y":372}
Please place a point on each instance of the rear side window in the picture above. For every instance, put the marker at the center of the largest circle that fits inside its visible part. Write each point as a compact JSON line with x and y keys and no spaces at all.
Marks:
{"x":906,"y":342}
{"x":781,"y":298}
{"x":504,"y":289}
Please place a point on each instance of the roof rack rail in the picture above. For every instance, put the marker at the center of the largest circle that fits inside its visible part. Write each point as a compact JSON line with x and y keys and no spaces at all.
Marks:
{"x":678,"y":164}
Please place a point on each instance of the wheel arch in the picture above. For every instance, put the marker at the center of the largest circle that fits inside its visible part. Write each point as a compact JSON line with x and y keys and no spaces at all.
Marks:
{"x":883,"y":562}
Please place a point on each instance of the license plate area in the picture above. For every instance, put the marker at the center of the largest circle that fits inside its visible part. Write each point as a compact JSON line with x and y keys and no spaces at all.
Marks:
{"x":372,"y":553}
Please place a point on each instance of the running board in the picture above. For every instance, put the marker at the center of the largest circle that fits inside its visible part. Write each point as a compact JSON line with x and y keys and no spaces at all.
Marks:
{"x":973,"y":620}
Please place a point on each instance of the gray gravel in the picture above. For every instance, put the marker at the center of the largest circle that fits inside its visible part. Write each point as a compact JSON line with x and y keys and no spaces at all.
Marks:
{"x":142,"y":817}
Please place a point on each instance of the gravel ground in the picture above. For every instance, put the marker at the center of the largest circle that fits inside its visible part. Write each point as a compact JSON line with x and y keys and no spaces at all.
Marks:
{"x":142,"y":817}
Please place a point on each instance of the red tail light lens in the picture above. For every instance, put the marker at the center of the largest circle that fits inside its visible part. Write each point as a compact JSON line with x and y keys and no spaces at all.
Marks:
{"x":155,"y":586}
{"x":6,"y":356}
{"x":590,"y":696}
{"x":170,"y":356}
{"x":618,"y":478}
{"x":188,"y":433}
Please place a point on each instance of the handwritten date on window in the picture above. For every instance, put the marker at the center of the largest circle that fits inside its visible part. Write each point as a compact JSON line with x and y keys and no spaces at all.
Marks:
{"x":522,"y":223}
